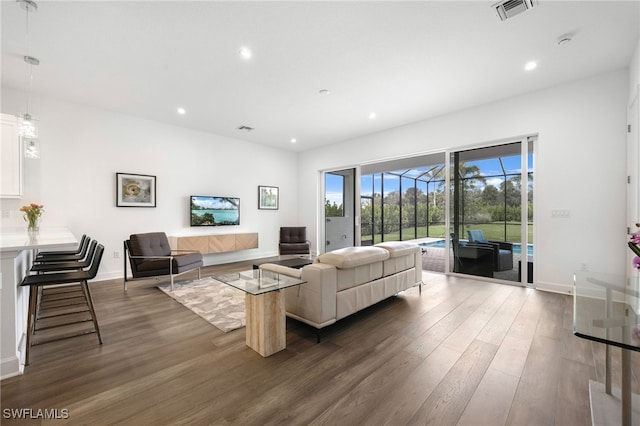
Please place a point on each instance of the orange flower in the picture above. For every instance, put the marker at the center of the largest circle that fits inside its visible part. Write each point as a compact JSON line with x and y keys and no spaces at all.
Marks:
{"x":32,"y":212}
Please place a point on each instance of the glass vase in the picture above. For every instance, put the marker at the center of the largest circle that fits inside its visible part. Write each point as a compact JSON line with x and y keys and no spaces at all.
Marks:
{"x":33,"y":227}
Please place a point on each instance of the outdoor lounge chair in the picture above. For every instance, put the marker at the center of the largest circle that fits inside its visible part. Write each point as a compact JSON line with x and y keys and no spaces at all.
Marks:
{"x":474,"y":260}
{"x":502,"y":251}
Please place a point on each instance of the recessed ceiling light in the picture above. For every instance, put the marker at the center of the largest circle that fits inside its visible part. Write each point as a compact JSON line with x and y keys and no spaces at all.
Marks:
{"x":293,"y":140}
{"x":530,"y":66}
{"x":182,"y":111}
{"x":245,"y":128}
{"x":372,"y":116}
{"x":245,"y":52}
{"x":324,"y":92}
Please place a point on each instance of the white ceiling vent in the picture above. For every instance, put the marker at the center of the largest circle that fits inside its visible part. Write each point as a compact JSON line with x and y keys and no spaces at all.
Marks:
{"x":509,"y":8}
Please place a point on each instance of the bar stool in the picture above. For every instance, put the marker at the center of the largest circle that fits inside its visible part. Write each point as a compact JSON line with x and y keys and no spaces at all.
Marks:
{"x":55,"y":278}
{"x":64,"y":252}
{"x":73,"y":293}
{"x":69,"y":265}
{"x":48,"y":257}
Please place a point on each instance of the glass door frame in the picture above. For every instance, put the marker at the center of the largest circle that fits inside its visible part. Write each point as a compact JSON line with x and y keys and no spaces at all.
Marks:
{"x":355,"y":221}
{"x":525,"y":142}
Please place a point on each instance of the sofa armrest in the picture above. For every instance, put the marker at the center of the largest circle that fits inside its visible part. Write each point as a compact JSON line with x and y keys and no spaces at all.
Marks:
{"x":503,"y":245}
{"x":314,"y":302}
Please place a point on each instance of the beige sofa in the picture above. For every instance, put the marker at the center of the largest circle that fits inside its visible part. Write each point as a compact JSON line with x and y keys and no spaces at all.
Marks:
{"x":347,"y":280}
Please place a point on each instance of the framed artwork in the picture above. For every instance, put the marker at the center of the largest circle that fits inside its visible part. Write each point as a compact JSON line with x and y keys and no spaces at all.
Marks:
{"x":135,"y":190}
{"x":268,"y":197}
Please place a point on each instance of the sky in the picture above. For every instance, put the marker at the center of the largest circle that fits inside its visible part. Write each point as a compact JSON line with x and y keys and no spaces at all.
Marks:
{"x":334,"y":183}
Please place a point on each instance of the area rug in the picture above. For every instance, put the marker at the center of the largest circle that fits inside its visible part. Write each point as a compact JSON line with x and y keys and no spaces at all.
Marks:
{"x":218,"y":303}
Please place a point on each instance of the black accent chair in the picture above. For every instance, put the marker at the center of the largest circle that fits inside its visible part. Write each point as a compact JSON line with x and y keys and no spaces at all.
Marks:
{"x":81,"y":278}
{"x":293,"y":240}
{"x":502,"y":250}
{"x":150,"y":255}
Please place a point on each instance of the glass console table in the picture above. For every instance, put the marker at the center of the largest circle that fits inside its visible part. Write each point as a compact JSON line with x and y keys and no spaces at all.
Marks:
{"x":264,"y":306}
{"x":605,"y":309}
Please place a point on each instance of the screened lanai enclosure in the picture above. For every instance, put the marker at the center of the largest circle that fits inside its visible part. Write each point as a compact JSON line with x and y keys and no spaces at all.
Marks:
{"x":490,"y":209}
{"x":404,"y":204}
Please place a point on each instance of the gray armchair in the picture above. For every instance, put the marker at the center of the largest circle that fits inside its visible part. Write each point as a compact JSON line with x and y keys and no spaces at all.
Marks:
{"x":150,"y":256}
{"x":293,"y":240}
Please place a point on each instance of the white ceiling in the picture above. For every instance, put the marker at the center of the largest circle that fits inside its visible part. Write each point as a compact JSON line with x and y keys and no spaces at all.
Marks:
{"x":405,"y":61}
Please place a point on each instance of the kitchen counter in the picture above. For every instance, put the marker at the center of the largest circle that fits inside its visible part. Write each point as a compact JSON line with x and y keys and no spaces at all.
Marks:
{"x":17,"y":250}
{"x":16,"y":239}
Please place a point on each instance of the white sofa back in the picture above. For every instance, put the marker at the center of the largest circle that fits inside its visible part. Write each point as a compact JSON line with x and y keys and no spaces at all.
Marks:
{"x":347,"y":280}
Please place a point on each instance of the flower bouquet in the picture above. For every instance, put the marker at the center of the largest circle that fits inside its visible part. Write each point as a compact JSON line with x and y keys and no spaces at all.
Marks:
{"x":32,"y":213}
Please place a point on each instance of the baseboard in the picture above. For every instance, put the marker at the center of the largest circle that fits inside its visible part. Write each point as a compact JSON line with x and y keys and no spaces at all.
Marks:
{"x":108,"y":276}
{"x":554,"y":287}
{"x":10,"y":367}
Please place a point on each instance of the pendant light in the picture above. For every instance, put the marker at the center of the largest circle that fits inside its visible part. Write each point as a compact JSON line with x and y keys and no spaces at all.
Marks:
{"x":27,"y":129}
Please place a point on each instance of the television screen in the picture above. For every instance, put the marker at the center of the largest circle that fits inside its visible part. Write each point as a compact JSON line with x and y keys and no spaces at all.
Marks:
{"x":214,"y":211}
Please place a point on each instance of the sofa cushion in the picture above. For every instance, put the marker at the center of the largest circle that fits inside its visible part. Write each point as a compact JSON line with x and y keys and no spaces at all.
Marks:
{"x":402,"y":256}
{"x":183,"y":262}
{"x":353,"y":277}
{"x":399,"y":248}
{"x":350,"y":257}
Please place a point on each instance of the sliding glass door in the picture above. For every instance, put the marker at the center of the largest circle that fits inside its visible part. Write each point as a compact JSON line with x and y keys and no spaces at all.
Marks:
{"x":339,"y":209}
{"x":491,"y":212}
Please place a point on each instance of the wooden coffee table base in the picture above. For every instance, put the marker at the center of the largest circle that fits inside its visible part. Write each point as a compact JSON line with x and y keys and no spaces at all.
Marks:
{"x":266,"y":323}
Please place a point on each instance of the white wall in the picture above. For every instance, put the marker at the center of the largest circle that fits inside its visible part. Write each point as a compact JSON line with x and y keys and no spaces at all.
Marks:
{"x":83,"y":148}
{"x":579,"y":165}
{"x":634,"y":73}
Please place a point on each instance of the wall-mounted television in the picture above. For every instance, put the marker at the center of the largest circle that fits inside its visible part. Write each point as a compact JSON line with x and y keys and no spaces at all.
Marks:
{"x":214,"y":211}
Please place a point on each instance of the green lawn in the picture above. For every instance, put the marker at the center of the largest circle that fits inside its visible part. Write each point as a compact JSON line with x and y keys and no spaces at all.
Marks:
{"x":492,"y":231}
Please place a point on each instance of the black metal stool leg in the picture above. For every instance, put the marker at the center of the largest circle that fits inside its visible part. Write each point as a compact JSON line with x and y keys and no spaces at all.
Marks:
{"x":87,"y":293}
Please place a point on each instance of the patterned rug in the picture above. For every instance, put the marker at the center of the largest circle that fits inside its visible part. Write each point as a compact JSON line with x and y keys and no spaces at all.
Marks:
{"x":218,"y":303}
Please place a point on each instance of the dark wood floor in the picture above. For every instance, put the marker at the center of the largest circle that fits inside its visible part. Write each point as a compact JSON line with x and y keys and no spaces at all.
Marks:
{"x":462,"y":352}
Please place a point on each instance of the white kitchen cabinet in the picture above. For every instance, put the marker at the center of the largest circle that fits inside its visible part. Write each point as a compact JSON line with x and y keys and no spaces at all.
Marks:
{"x":10,"y":158}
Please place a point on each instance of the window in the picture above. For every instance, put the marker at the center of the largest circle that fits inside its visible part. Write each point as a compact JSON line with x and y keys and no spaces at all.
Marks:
{"x":334,"y":195}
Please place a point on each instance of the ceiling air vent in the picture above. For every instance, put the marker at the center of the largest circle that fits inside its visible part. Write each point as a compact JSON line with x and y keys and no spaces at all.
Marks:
{"x":510,"y":8}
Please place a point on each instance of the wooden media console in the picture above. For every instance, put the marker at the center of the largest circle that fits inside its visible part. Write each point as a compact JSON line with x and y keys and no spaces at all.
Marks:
{"x":215,"y":243}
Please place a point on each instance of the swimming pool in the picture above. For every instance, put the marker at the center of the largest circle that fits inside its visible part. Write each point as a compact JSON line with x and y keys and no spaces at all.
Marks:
{"x":517,"y":247}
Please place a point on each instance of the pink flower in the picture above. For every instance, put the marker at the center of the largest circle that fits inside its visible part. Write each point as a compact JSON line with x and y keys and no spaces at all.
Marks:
{"x":636,"y":262}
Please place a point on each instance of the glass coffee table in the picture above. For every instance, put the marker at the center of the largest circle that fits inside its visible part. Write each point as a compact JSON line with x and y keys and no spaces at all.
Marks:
{"x":264,"y":307}
{"x":605,"y":309}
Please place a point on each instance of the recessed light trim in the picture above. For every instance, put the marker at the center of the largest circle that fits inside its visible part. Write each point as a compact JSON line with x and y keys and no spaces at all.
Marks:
{"x":181,"y":111}
{"x":324,"y":92}
{"x":531,"y":65}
